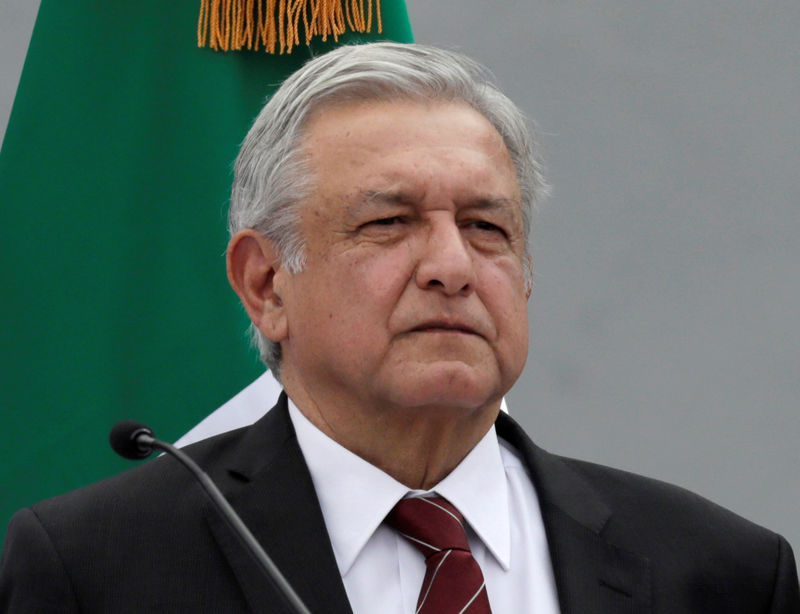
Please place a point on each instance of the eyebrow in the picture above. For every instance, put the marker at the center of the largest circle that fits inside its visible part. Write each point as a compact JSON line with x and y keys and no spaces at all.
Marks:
{"x":383,"y":197}
{"x":367,"y":199}
{"x":495,"y":202}
{"x":400,"y":197}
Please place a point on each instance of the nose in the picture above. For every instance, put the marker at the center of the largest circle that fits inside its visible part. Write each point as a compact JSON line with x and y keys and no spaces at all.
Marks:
{"x":445,"y":262}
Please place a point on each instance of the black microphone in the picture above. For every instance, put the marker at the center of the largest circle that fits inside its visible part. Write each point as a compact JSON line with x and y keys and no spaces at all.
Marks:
{"x":124,"y":440}
{"x":134,"y":440}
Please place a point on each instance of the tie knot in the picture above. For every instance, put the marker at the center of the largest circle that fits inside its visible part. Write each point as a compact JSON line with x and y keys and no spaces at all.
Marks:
{"x":431,"y":524}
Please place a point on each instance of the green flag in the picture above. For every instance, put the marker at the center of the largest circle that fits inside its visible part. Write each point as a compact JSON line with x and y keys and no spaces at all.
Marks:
{"x":114,"y":180}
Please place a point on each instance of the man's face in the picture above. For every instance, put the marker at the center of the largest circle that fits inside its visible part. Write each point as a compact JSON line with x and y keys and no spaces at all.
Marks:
{"x":413,"y":292}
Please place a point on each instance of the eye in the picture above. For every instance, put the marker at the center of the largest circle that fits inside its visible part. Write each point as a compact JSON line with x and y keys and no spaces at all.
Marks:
{"x":383,"y":227}
{"x":488,"y":227}
{"x":387,"y":221}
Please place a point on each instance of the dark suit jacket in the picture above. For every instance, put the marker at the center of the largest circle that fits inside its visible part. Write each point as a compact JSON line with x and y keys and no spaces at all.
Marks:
{"x":149,"y":541}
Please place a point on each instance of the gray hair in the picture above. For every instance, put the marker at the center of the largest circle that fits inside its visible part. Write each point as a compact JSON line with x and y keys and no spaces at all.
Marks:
{"x":271,"y":174}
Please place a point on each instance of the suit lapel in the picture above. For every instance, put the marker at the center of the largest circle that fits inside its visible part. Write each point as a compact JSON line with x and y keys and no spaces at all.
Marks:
{"x":270,"y":487}
{"x":592,"y":575}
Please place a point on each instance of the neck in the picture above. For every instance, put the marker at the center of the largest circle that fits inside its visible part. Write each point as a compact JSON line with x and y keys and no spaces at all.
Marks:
{"x":418,"y":451}
{"x":417,"y":446}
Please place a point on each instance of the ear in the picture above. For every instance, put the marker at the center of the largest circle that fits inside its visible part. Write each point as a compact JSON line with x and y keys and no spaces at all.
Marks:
{"x":529,"y":267}
{"x":253,"y":263}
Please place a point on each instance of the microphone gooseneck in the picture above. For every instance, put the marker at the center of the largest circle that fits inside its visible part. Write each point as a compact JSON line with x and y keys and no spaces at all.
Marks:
{"x":134,"y":440}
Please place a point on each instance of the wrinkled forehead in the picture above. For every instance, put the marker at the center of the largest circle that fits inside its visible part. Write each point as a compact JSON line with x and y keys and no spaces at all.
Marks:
{"x":381,"y":120}
{"x":396,"y":149}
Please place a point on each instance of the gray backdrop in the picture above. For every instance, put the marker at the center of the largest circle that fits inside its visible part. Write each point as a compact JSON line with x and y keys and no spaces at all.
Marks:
{"x":664,"y":319}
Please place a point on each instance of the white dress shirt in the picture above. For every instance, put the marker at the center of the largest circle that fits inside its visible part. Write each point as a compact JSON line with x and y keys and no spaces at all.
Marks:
{"x":383,"y":573}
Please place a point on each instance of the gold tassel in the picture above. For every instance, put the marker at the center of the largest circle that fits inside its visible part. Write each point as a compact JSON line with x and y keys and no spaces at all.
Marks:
{"x":234,"y":25}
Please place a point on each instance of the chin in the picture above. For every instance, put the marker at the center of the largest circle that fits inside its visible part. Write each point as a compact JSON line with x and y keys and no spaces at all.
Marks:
{"x":448,"y":385}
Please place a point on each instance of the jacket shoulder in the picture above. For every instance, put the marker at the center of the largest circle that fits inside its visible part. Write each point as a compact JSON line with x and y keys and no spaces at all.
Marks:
{"x":139,"y":487}
{"x":646,"y":505}
{"x":709,"y":552}
{"x":94,"y":548}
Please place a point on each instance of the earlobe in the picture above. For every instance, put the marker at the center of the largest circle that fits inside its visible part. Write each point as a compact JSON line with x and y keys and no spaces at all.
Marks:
{"x":253,"y":262}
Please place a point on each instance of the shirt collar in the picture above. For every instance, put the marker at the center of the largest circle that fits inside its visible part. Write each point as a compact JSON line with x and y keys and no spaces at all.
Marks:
{"x":355,"y":496}
{"x":478,"y":488}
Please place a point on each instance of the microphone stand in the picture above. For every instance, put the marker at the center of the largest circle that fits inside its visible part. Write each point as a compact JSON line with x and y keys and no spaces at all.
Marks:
{"x":144,"y":441}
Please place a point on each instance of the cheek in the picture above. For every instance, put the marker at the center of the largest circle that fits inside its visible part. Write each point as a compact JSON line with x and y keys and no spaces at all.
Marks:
{"x":381,"y":275}
{"x":504,"y":278}
{"x":503,"y":289}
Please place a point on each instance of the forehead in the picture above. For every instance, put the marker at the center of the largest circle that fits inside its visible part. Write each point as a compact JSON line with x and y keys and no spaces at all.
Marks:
{"x":410,"y":148}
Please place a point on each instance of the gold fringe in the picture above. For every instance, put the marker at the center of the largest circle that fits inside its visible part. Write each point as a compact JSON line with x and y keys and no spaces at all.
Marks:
{"x":233,"y":25}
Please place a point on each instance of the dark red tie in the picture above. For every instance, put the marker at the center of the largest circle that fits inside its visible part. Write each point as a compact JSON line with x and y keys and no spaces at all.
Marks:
{"x":453,"y":581}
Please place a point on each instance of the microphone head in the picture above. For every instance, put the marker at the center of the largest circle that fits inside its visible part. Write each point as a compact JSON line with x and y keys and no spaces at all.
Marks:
{"x":124,"y":439}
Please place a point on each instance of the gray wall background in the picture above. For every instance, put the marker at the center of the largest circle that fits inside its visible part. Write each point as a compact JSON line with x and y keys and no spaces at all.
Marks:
{"x":664,"y":320}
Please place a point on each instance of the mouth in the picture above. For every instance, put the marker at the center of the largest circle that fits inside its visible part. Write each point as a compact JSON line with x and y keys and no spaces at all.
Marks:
{"x":439,"y":326}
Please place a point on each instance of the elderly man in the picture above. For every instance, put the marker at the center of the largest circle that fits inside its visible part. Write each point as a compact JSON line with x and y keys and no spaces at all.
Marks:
{"x":379,"y":223}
